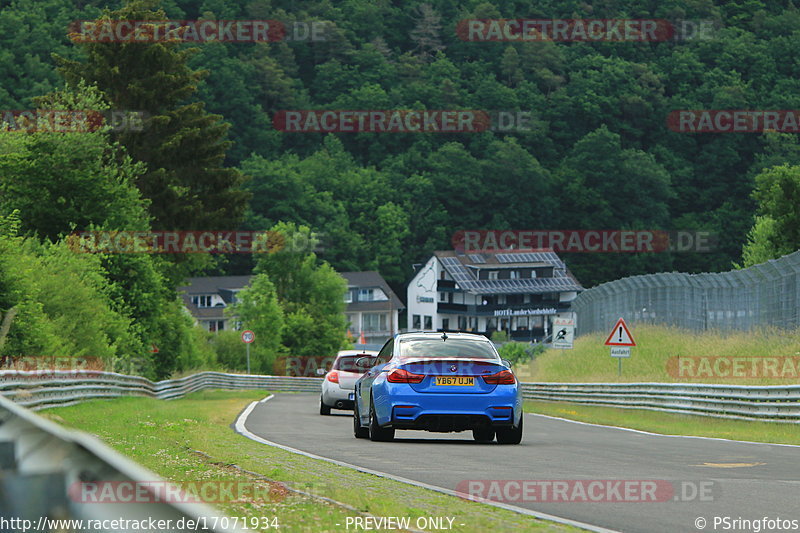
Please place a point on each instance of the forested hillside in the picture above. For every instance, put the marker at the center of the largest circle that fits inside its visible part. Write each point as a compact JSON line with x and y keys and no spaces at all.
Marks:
{"x":598,"y":152}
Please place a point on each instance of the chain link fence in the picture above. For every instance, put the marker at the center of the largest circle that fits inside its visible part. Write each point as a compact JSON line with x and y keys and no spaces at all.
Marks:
{"x":762,"y":295}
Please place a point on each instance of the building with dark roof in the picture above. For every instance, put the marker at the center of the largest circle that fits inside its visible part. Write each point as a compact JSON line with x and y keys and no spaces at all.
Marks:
{"x":372,"y":307}
{"x":206,"y":299}
{"x":517,"y":291}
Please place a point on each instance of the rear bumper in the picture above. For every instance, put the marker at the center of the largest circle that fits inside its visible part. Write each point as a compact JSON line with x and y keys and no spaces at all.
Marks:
{"x":336,"y":397}
{"x":403,"y":408}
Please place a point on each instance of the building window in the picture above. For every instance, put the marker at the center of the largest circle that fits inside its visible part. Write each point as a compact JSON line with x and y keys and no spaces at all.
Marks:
{"x":415,"y":322}
{"x":216,"y":325}
{"x":446,"y":324}
{"x":462,"y":323}
{"x":442,"y":296}
{"x":493,"y":274}
{"x":348,"y":296}
{"x":428,"y":323}
{"x":365,"y":295}
{"x":374,"y":322}
{"x":514,"y":274}
{"x":352,"y":318}
{"x":533,"y":272}
{"x":203,"y":300}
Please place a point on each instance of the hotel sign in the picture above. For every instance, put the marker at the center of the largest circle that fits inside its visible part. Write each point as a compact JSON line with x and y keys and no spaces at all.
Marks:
{"x":524,"y":312}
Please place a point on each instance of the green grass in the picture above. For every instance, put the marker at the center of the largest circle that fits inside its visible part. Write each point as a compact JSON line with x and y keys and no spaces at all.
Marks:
{"x":670,"y":423}
{"x":589,"y":360}
{"x":165,"y":437}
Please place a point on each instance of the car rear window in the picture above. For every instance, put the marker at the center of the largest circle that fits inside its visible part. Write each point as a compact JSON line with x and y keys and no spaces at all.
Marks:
{"x":347,"y":363}
{"x":451,"y":347}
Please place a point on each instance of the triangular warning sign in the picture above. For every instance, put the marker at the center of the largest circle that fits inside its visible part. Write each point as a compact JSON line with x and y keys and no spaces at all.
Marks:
{"x":620,"y":335}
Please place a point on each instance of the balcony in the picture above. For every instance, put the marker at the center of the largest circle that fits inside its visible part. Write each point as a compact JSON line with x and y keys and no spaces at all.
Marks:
{"x":446,"y":285}
{"x":489,"y":310}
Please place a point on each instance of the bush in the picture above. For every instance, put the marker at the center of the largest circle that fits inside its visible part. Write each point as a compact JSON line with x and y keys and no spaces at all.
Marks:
{"x":520,"y":352}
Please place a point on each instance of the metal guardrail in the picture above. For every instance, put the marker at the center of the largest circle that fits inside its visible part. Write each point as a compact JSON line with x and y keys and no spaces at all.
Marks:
{"x":41,"y":389}
{"x":779,"y":403}
{"x":44,"y":468}
{"x":40,"y":461}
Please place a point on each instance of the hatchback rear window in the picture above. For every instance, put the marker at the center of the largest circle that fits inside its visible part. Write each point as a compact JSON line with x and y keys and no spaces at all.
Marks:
{"x":347,"y":363}
{"x":451,"y":347}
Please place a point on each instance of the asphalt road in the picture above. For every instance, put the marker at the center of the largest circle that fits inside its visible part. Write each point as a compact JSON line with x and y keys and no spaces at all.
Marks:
{"x":740,"y":480}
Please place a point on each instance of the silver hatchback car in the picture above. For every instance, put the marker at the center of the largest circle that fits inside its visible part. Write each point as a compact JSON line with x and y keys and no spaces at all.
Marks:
{"x":338,"y":384}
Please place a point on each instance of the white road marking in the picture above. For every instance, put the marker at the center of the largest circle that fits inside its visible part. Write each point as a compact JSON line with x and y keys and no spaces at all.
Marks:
{"x":663,"y":434}
{"x":241,"y":422}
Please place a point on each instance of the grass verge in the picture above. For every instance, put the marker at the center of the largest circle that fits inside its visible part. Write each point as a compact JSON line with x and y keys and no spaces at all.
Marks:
{"x":166,"y":436}
{"x":654,"y":358}
{"x":670,"y":423}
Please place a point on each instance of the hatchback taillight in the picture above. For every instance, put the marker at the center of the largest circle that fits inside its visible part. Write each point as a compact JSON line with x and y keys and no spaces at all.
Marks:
{"x":504,"y":377}
{"x":404,"y":376}
{"x":333,"y":376}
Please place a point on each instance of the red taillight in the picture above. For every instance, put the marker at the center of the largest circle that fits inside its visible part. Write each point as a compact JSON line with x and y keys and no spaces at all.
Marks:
{"x":404,"y":376}
{"x":504,"y":377}
{"x":333,"y":376}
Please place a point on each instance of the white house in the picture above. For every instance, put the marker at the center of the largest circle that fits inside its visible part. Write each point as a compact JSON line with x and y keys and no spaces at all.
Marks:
{"x":372,"y":307}
{"x":519,"y":292}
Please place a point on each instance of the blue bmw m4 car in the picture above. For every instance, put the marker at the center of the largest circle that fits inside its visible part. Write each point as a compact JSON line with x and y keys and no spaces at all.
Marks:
{"x":441,"y":382}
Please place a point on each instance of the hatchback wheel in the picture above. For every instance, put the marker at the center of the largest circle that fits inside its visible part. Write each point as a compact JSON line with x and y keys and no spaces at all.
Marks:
{"x":323,"y":409}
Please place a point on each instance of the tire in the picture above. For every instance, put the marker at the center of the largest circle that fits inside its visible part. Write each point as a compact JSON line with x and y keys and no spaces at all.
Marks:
{"x":323,"y":409}
{"x":483,"y":435}
{"x":358,"y":431}
{"x":512,"y":435}
{"x":377,"y":433}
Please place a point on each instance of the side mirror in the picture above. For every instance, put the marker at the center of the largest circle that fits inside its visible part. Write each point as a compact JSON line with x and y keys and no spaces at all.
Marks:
{"x":365,"y":363}
{"x":321,"y":372}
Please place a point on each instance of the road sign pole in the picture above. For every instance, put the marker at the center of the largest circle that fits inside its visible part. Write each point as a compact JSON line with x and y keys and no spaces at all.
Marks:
{"x":619,"y":367}
{"x":248,"y":357}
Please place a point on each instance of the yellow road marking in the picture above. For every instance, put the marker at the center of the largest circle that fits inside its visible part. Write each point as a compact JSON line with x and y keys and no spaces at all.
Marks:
{"x":730,"y":465}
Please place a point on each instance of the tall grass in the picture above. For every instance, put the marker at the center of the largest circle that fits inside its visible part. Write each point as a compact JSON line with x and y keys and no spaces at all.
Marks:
{"x":590,"y":360}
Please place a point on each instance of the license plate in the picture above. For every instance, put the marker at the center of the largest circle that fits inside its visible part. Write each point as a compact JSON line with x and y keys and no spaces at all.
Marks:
{"x":466,"y":381}
{"x":351,"y":396}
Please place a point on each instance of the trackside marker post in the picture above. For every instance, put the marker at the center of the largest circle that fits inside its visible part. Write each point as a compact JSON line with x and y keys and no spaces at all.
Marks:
{"x":620,"y":340}
{"x":247,"y":338}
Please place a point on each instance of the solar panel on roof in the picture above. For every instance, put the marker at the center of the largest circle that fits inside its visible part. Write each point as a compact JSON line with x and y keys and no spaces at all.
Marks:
{"x":456,"y":269}
{"x":476,"y":258}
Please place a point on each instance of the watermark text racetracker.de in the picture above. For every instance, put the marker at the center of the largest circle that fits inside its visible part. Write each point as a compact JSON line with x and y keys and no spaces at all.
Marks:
{"x":733,"y":121}
{"x":584,"y":30}
{"x":197,"y":31}
{"x":183,"y":242}
{"x":71,"y":120}
{"x":587,"y":490}
{"x":585,"y":241}
{"x":746,"y":367}
{"x":402,"y":121}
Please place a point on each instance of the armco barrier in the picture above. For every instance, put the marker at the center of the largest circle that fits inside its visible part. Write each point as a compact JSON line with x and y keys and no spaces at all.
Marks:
{"x":40,"y":389}
{"x":40,"y":462}
{"x":50,"y":388}
{"x":778,"y":403}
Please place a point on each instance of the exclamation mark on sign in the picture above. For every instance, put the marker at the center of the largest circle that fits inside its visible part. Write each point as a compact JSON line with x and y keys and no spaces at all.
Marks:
{"x":620,"y":334}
